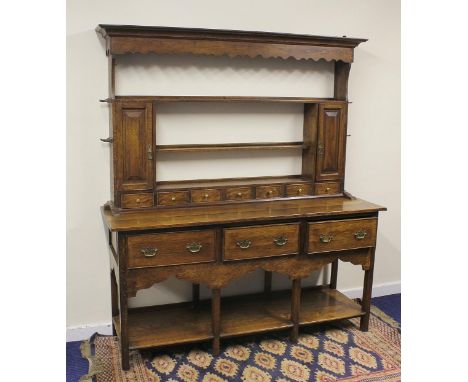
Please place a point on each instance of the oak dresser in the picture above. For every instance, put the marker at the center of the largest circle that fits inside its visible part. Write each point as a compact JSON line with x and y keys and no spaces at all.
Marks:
{"x":213,"y":231}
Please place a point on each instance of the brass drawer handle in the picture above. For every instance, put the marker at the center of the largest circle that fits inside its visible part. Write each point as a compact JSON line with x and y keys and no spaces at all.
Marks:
{"x":194,"y":247}
{"x":149,"y":251}
{"x":326,"y":238}
{"x":244,"y":244}
{"x":280,"y":241}
{"x":359,"y":235}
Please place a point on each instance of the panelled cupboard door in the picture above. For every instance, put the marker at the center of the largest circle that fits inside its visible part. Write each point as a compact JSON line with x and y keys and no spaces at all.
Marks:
{"x":134,"y":146}
{"x":331,"y":142}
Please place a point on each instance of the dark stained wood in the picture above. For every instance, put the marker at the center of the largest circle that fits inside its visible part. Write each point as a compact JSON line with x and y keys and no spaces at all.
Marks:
{"x":171,"y":324}
{"x":231,"y":147}
{"x":331,"y":142}
{"x":173,"y":198}
{"x":367,"y":294}
{"x":298,"y":189}
{"x":219,"y":275}
{"x":134,"y":146}
{"x":139,"y":200}
{"x":310,"y":139}
{"x":329,"y":188}
{"x":341,"y":80}
{"x":295,"y":308}
{"x":260,"y":241}
{"x":341,"y":235}
{"x":237,"y":99}
{"x":213,"y":231}
{"x":216,"y":319}
{"x":252,"y":212}
{"x":334,"y":274}
{"x":206,"y":195}
{"x":123,"y":305}
{"x":267,"y":192}
{"x":229,"y":182}
{"x":172,"y":248}
{"x":124,"y":39}
{"x":239,"y":193}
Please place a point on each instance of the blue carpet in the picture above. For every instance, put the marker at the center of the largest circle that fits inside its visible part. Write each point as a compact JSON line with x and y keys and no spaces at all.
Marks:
{"x":77,"y":366}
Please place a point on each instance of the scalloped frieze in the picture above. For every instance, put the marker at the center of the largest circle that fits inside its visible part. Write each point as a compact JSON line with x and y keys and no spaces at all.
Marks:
{"x":215,"y":275}
{"x":145,"y":45}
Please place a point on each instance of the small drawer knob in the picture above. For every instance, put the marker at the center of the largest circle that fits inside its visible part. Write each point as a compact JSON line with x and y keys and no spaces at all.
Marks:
{"x":299,"y":191}
{"x":269,"y":192}
{"x":173,"y":198}
{"x":327,"y":189}
{"x":239,"y":194}
{"x":206,"y":196}
{"x":137,"y":200}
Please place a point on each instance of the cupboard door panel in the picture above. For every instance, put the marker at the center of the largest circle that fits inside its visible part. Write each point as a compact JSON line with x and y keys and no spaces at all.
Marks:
{"x":135,"y":146}
{"x":331,"y":142}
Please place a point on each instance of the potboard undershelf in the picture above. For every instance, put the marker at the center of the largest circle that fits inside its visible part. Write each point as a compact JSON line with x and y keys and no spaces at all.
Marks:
{"x":240,"y":315}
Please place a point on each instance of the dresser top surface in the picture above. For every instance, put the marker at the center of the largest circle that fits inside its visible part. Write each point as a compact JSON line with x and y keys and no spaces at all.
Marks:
{"x":236,"y":213}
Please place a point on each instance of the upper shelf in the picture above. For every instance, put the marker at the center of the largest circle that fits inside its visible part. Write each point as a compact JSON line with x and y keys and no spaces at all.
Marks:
{"x":124,"y":39}
{"x":240,"y":99}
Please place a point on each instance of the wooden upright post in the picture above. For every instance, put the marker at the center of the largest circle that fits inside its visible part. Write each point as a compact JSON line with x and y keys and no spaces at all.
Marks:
{"x":341,"y":80}
{"x":216,"y":318}
{"x":295,"y":308}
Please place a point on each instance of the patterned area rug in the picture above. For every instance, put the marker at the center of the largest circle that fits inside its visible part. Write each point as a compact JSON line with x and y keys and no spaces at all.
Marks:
{"x":334,"y":353}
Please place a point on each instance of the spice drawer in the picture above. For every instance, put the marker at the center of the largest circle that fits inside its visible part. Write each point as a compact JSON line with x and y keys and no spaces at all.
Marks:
{"x":341,"y":235}
{"x":171,"y":248}
{"x":261,"y":241}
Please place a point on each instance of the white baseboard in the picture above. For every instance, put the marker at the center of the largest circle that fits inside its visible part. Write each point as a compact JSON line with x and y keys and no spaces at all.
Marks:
{"x":377,"y":290}
{"x":79,"y":333}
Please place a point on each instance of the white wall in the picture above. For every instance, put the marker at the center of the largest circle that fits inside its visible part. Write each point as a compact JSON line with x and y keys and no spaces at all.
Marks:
{"x":373,"y":155}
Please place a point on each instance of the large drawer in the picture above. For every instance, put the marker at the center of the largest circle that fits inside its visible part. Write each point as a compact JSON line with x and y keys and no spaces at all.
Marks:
{"x":171,"y":248}
{"x":261,"y":241}
{"x":341,"y":235}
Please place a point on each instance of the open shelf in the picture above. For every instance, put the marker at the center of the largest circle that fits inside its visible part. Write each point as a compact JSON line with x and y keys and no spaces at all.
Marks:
{"x":231,"y":147}
{"x":240,"y":315}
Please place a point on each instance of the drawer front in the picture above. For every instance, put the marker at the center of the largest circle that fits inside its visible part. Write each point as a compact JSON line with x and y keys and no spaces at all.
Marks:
{"x":261,"y":241}
{"x":173,"y":198}
{"x":238,"y":193}
{"x":341,"y":235}
{"x":298,"y":189}
{"x":327,"y":188}
{"x":171,"y":248}
{"x":206,"y":195}
{"x":137,"y":200}
{"x":265,"y":192}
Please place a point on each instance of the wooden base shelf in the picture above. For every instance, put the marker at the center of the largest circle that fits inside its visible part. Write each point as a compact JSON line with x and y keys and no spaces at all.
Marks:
{"x":181,"y":323}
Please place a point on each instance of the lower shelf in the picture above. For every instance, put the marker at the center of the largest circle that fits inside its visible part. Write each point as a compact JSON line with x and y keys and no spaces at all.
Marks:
{"x":172,"y":324}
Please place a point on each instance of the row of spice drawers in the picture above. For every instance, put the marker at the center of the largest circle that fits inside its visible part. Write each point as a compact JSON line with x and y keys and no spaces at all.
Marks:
{"x":240,"y":243}
{"x":208,"y":195}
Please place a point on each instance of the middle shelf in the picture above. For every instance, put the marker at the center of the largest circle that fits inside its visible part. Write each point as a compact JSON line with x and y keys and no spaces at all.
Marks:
{"x":240,"y":315}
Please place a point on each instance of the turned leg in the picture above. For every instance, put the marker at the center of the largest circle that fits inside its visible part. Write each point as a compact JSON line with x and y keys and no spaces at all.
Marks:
{"x":114,"y":299}
{"x":295,"y":307}
{"x":367,"y":294}
{"x":267,"y":283}
{"x":216,"y":318}
{"x":195,"y":295}
{"x":334,"y":274}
